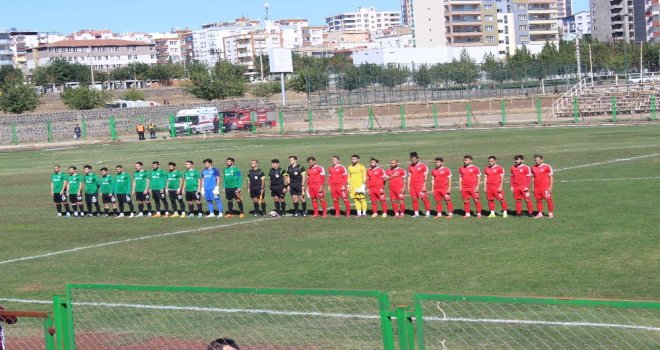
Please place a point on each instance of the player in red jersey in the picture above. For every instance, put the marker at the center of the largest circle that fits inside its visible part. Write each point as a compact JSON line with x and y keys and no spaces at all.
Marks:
{"x":397,"y":178}
{"x":494,"y":180}
{"x":468,"y":182}
{"x":376,"y":187}
{"x":543,"y":181}
{"x":337,"y":186}
{"x":419,"y":173}
{"x":315,"y":180}
{"x":520,"y":178}
{"x":441,"y":184}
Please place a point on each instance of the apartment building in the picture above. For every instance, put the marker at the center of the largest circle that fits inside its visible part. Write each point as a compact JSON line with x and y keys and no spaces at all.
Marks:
{"x":102,"y":54}
{"x":313,"y":35}
{"x":471,"y":22}
{"x":364,"y":19}
{"x":620,"y":19}
{"x":576,"y":26}
{"x":535,"y":21}
{"x":564,"y":8}
{"x":653,"y":20}
{"x":6,"y":54}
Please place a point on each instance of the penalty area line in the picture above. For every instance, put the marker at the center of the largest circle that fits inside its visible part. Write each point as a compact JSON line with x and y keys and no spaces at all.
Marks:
{"x":609,"y":162}
{"x":619,"y":179}
{"x":127,"y":240}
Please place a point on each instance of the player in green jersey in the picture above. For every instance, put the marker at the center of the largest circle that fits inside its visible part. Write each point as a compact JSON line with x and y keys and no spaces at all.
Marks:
{"x":57,"y":188}
{"x":107,"y":188}
{"x":74,"y":190}
{"x":157,"y":181}
{"x":174,"y":187}
{"x":123,"y":191}
{"x":141,"y":179}
{"x":92,"y":183}
{"x":193,"y":187}
{"x":233,"y":182}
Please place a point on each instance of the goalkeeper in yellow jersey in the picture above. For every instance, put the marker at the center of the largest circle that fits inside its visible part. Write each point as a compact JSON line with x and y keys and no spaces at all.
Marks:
{"x":357,"y":177}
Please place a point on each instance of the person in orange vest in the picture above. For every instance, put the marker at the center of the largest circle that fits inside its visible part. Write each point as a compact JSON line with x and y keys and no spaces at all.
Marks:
{"x":140,"y":131}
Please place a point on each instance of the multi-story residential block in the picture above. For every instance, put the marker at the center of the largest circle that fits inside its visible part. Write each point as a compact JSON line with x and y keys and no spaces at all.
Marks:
{"x":619,"y":20}
{"x":564,"y":8}
{"x":506,"y":34}
{"x":364,"y":19}
{"x":313,"y":36}
{"x":6,"y":54}
{"x":406,"y":13}
{"x":102,"y":54}
{"x":398,"y":38}
{"x":653,"y":20}
{"x":428,"y":23}
{"x":576,"y":26}
{"x":535,"y":21}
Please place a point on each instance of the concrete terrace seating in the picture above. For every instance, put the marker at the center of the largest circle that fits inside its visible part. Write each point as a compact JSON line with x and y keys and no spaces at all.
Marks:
{"x":631,"y":99}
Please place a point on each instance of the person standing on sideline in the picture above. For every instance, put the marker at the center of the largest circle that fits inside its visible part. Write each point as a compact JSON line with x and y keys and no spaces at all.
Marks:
{"x":152,"y":130}
{"x":57,"y":187}
{"x":174,"y":187}
{"x":123,"y":191}
{"x":419,"y":173}
{"x":141,"y":179}
{"x":92,"y":183}
{"x":468,"y":183}
{"x":441,"y":185}
{"x":193,"y":189}
{"x":315,"y":183}
{"x":211,"y":188}
{"x":157,"y":179}
{"x":296,"y":174}
{"x":397,"y":179}
{"x":74,"y":189}
{"x":233,"y":182}
{"x":257,"y":187}
{"x":337,"y":186}
{"x":77,"y":132}
{"x":278,"y":185}
{"x":494,"y":180}
{"x":357,"y":181}
{"x":543,"y":181}
{"x":376,"y":187}
{"x":139,"y":128}
{"x":521,"y":174}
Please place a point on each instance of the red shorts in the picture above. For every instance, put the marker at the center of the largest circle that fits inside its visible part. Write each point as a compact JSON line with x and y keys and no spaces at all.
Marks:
{"x":439,"y":195}
{"x":470,"y":193}
{"x":397,"y":194}
{"x":417,"y":192}
{"x":316,"y":192}
{"x":377,"y":194}
{"x":542,"y":193}
{"x":493,"y":194}
{"x":337,"y":192}
{"x":520,"y":193}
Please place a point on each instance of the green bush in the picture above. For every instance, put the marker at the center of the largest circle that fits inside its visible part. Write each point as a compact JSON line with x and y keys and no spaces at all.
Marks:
{"x":84,"y":98}
{"x":133,"y":95}
{"x":18,"y":98}
{"x":266,"y":89}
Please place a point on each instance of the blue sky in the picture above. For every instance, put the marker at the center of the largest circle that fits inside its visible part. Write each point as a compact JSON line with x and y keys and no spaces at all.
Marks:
{"x":162,"y":15}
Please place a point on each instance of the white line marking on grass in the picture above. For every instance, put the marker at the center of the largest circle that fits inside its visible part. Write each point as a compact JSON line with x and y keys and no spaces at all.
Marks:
{"x":127,"y":240}
{"x":25,"y":301}
{"x":620,"y":179}
{"x":342,"y":315}
{"x":609,"y":162}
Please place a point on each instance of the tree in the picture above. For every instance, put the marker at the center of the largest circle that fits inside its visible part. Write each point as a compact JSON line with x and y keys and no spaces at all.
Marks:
{"x":309,"y":80}
{"x":18,"y":98}
{"x":266,"y":89}
{"x":224,"y":80}
{"x":84,"y":98}
{"x":394,"y":76}
{"x":423,"y":76}
{"x":494,"y":68}
{"x":465,"y":69}
{"x":9,"y":74}
{"x":165,"y":72}
{"x":133,"y":95}
{"x":352,"y":79}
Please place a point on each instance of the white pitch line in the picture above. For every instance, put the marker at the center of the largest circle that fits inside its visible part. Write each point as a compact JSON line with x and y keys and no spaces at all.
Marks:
{"x":609,"y":162}
{"x":619,"y":179}
{"x":342,"y":315}
{"x":45,"y":255}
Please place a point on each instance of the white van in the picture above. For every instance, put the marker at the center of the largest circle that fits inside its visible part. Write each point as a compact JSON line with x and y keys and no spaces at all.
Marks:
{"x":199,"y":120}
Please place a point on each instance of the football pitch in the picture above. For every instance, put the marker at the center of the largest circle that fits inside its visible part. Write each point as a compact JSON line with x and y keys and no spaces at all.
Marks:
{"x":603,"y":242}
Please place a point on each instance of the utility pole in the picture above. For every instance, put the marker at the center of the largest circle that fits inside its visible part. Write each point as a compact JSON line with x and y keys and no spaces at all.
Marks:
{"x":591,"y":66}
{"x":626,"y":35}
{"x":579,"y":61}
{"x":91,"y":66}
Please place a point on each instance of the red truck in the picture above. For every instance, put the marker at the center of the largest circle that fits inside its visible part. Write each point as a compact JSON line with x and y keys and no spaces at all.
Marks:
{"x":242,"y":119}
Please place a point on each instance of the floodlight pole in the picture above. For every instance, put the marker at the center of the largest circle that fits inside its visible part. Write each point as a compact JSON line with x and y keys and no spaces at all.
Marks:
{"x":283,"y":87}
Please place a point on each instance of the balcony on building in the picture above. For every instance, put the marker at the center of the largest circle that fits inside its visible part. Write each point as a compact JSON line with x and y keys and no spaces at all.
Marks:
{"x":463,"y":20}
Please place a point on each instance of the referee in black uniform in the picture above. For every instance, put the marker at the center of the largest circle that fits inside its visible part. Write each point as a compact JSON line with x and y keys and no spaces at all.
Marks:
{"x":296,"y":174}
{"x":257,"y":185}
{"x":278,"y":183}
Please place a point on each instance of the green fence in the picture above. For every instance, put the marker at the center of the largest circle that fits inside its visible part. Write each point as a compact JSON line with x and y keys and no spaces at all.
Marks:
{"x":147,"y":317}
{"x":484,"y":322}
{"x":33,"y":328}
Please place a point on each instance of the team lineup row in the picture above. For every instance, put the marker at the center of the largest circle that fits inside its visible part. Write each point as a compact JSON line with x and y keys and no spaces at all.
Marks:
{"x":169,"y":189}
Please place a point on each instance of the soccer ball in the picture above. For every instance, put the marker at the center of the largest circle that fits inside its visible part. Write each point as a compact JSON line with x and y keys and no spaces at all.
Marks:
{"x":273,"y":214}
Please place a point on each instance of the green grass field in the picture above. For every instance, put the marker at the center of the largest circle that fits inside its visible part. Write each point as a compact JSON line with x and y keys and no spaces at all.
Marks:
{"x":603,"y":242}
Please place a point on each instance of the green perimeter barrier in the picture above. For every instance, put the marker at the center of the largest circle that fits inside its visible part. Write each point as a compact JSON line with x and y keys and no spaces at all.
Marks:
{"x":281,"y":122}
{"x":539,"y":113}
{"x":310,"y":119}
{"x":468,"y":114}
{"x":434,"y":110}
{"x":503,"y":111}
{"x":253,"y":121}
{"x":112,"y":124}
{"x":49,"y":131}
{"x":340,"y":115}
{"x":576,"y":110}
{"x":372,"y":117}
{"x":84,"y":129}
{"x":614,"y":108}
{"x":140,"y":317}
{"x":489,"y":322}
{"x":34,"y":329}
{"x":653,"y":107}
{"x":402,"y":115}
{"x":172,"y":127}
{"x":14,"y":134}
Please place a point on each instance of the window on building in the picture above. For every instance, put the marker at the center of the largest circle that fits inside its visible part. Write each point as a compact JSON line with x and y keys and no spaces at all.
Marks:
{"x":490,"y":39}
{"x":489,"y":28}
{"x":522,"y":28}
